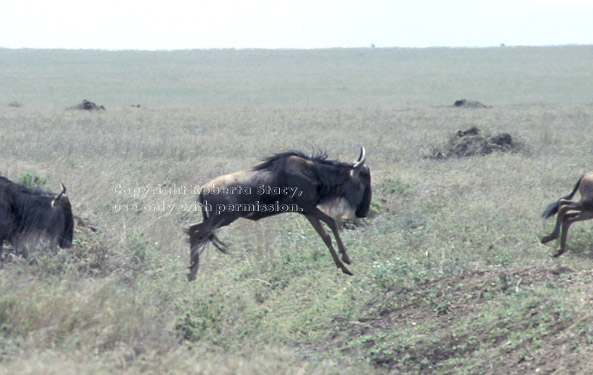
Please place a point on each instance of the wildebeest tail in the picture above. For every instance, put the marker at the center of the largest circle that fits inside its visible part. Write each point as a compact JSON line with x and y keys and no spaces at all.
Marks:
{"x":552,"y":209}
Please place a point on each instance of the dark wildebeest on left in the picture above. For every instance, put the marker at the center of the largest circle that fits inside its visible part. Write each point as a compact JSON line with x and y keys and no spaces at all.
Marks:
{"x":570,"y":211}
{"x":285,"y":182}
{"x":27,"y":216}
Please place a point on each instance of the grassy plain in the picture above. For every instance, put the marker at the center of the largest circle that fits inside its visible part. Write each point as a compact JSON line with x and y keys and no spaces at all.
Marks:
{"x":450,"y":276}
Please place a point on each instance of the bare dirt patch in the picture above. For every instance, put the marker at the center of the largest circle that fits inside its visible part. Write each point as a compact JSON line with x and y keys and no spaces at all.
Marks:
{"x":503,"y":317}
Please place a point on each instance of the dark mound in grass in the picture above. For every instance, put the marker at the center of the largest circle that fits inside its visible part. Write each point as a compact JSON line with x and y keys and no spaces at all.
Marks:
{"x":464,"y":103}
{"x":88,"y":106}
{"x":471,"y":142}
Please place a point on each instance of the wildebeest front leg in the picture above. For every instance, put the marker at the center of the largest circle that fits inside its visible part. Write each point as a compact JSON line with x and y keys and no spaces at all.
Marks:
{"x":328,"y":242}
{"x":334,"y":227}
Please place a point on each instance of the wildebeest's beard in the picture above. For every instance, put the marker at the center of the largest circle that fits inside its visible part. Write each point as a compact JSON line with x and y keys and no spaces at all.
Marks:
{"x":67,"y":233}
{"x":363,"y":207}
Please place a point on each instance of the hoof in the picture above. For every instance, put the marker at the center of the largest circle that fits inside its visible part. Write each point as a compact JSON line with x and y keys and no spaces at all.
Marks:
{"x":347,"y":271}
{"x":193,"y":269}
{"x":547,"y":239}
{"x":557,"y":254}
{"x":346,"y":259}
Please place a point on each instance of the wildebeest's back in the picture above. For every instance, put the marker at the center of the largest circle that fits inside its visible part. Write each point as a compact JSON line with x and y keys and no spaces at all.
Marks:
{"x":291,"y":183}
{"x":586,"y":187}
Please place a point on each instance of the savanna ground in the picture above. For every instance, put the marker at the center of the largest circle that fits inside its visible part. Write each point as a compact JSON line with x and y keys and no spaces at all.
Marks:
{"x":450,"y":276}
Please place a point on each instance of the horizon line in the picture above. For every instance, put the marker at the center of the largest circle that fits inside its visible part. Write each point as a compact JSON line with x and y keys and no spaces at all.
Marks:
{"x":370,"y":47}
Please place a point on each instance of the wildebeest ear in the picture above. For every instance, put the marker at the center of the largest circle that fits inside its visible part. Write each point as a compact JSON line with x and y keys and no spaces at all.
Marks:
{"x":59,"y":196}
{"x":361,"y":159}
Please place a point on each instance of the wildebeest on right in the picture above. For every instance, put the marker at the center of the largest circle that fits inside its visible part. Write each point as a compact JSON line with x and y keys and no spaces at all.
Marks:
{"x":570,"y":211}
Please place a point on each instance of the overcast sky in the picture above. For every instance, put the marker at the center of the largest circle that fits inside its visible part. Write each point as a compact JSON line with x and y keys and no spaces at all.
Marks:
{"x":174,"y":24}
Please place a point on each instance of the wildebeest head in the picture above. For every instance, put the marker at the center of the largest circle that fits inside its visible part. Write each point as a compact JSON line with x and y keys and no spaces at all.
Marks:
{"x":364,"y":177}
{"x":63,"y":225}
{"x":354,"y":195}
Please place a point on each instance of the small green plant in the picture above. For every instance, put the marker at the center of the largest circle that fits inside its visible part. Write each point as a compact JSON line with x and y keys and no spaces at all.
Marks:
{"x":395,"y":186}
{"x":386,"y":275}
{"x":32,"y":180}
{"x":377,"y":205}
{"x":198,"y":320}
{"x":442,"y":305}
{"x":141,"y":252}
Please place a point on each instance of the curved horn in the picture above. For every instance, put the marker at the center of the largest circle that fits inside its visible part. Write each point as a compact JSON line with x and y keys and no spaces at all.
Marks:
{"x":361,"y":159}
{"x":57,"y":198}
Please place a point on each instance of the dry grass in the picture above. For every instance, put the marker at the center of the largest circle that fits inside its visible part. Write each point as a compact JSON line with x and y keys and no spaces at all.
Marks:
{"x":119,"y":301}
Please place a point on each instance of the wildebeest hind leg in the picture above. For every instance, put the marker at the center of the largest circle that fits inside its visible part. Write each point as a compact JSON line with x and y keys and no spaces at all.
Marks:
{"x":567,"y":221}
{"x":199,"y":235}
{"x":328,"y":242}
{"x":565,"y":206}
{"x":197,"y":240}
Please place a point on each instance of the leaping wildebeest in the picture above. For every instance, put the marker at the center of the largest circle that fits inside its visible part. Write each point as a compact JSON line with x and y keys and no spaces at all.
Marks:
{"x":570,"y":211}
{"x":320,"y":189}
{"x":28,"y":215}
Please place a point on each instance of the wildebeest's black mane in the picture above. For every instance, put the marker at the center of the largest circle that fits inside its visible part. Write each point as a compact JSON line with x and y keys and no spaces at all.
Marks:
{"x":28,"y":204}
{"x":277,"y":160}
{"x":330,"y":174}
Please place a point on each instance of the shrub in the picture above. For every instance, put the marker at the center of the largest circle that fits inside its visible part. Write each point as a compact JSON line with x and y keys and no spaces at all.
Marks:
{"x":32,"y":180}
